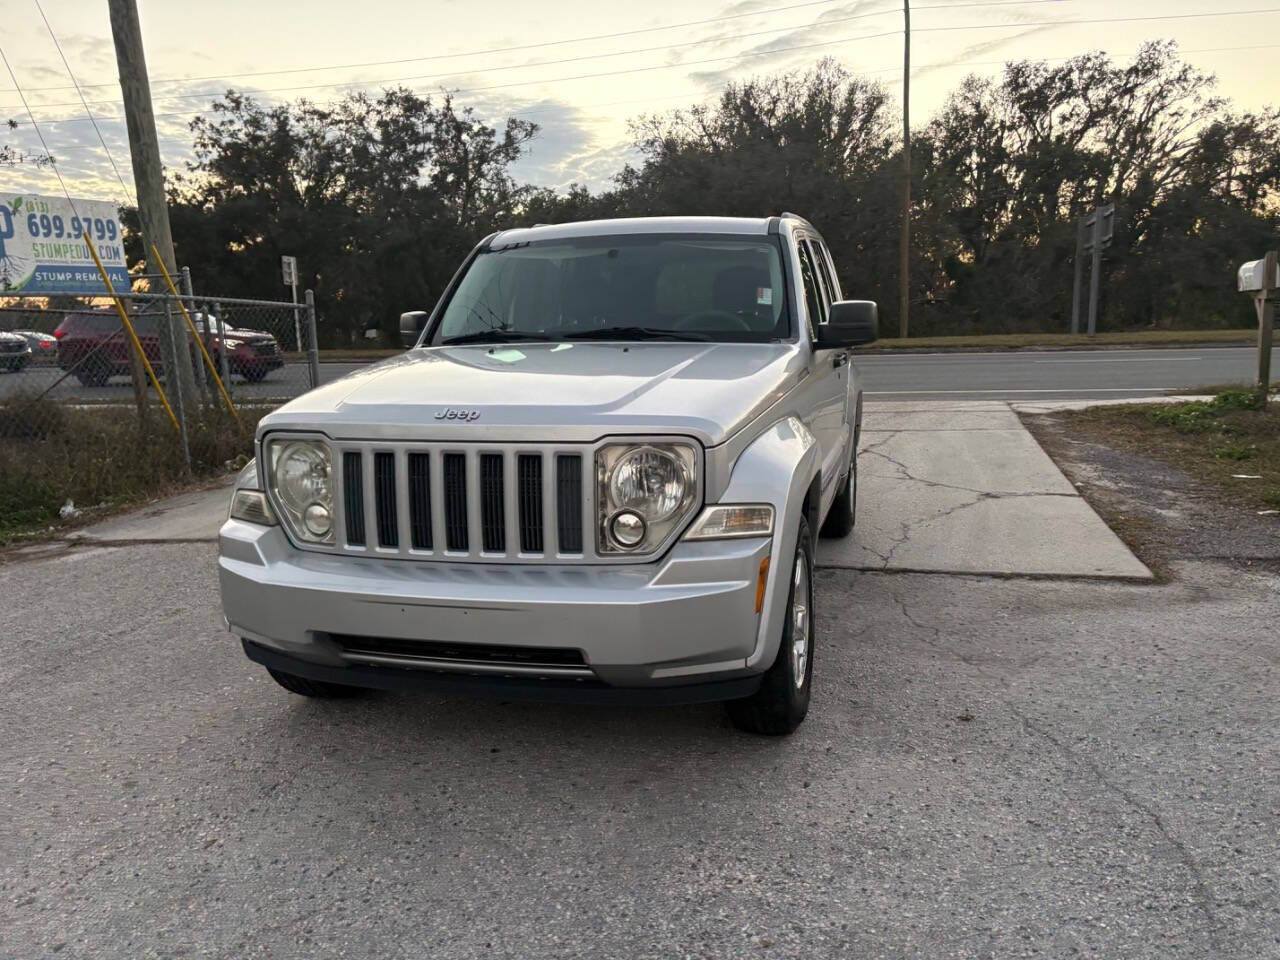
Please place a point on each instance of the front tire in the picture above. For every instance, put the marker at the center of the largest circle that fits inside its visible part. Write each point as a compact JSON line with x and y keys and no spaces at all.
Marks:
{"x":781,"y":703}
{"x":93,"y":373}
{"x":311,"y":688}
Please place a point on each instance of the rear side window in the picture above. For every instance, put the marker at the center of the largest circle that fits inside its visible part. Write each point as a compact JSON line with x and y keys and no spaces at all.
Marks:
{"x":146,"y":324}
{"x":90,"y":323}
{"x":813,"y":298}
{"x":821,"y":257}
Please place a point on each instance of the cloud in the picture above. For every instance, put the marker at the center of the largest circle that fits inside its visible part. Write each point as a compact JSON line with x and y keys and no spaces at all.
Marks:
{"x":978,"y":49}
{"x":572,"y":146}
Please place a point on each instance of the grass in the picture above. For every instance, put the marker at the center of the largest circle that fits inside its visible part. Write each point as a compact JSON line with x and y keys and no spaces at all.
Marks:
{"x":1225,"y":442}
{"x":99,"y":458}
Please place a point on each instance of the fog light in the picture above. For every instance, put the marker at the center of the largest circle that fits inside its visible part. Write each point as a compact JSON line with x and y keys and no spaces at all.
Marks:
{"x":317,"y":519}
{"x":627,"y":528}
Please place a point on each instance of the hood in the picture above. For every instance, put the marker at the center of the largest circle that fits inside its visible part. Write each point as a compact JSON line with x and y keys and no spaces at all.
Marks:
{"x":552,"y":391}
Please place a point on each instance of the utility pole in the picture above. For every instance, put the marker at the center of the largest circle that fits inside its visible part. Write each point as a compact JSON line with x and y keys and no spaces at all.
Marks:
{"x":148,"y":174}
{"x":904,"y":261}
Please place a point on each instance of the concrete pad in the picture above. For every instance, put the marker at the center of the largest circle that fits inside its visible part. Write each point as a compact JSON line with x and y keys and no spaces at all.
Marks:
{"x":188,"y":516}
{"x":996,"y":462}
{"x":923,"y":419}
{"x":960,"y":499}
{"x":929,"y":406}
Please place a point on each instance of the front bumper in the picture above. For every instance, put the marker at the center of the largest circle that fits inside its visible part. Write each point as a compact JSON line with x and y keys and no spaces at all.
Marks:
{"x":686,"y":620}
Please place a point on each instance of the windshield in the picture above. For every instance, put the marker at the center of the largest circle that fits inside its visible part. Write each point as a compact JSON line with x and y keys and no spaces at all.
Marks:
{"x":679,"y":287}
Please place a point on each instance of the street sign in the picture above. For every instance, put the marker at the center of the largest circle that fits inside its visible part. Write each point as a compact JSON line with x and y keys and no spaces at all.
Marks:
{"x":289,"y":270}
{"x":1100,"y":227}
{"x":1094,"y":233}
{"x":42,"y":245}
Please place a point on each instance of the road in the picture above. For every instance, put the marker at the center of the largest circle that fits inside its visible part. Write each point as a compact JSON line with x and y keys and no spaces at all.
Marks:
{"x":1056,"y":374}
{"x":1007,"y":375}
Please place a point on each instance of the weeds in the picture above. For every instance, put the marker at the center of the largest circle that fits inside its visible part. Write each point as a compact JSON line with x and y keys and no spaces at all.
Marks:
{"x":1205,"y":416}
{"x":52,"y":452}
{"x":1209,"y":440}
{"x":1236,"y":451}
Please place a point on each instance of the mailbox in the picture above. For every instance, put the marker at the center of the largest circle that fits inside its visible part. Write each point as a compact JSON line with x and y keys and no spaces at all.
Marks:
{"x":1249,"y":277}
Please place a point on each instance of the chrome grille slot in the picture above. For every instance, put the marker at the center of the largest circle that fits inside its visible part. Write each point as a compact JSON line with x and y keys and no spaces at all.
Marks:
{"x":420,"y":500}
{"x":353,"y":497}
{"x":529,"y":479}
{"x":492,"y":514}
{"x":455,"y":501}
{"x":384,"y":478}
{"x":569,"y":502}
{"x":465,"y":502}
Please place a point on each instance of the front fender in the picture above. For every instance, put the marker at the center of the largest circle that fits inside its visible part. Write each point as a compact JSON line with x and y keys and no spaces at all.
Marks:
{"x":779,"y":468}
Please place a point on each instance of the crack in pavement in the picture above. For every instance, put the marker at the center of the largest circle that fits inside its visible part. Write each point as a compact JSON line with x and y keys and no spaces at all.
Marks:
{"x":905,"y":473}
{"x":1204,"y":899}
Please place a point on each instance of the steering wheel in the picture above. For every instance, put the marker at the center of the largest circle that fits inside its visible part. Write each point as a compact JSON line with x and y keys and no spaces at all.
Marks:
{"x":699,"y":321}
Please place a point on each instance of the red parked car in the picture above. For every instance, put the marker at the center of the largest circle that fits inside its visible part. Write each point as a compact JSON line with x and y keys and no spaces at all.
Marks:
{"x":95,"y":346}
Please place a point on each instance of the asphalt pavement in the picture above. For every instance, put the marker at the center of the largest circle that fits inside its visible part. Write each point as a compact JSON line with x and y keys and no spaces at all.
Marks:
{"x":1054,"y":374}
{"x":1005,"y":375}
{"x":991,"y":767}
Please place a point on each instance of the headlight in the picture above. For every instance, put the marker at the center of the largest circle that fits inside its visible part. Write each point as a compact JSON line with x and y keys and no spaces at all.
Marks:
{"x":644,"y":491}
{"x":233,"y":344}
{"x":300,"y":477}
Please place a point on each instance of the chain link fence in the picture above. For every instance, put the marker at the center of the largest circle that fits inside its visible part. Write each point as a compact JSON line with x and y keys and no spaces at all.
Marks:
{"x":92,"y":408}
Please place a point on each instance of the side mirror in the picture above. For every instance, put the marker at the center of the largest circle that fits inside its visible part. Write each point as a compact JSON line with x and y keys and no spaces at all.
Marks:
{"x":852,"y":323}
{"x":411,"y":326}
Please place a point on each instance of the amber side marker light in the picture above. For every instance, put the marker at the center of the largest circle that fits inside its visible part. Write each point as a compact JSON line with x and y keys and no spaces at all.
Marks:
{"x":764,"y":575}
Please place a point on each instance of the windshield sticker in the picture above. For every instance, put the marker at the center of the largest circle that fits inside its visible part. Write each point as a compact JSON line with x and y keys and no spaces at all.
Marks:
{"x":764,"y":296}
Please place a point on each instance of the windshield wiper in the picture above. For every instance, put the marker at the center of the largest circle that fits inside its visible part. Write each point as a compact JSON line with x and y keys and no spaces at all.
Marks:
{"x":493,"y":336}
{"x":635,"y":333}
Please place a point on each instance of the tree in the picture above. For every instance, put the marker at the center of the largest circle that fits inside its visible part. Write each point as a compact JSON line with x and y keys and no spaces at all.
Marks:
{"x":378,"y":197}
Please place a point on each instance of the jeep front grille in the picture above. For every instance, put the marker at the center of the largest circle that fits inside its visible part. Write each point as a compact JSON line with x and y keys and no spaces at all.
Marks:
{"x":474,"y":502}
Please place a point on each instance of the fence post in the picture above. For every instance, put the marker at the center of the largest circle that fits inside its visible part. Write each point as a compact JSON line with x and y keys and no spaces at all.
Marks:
{"x":171,"y":362}
{"x":313,"y":349}
{"x":1078,"y":278}
{"x":188,"y":297}
{"x":214,"y":309}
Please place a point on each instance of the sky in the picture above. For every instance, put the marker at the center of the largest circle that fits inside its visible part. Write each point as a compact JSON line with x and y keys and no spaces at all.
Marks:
{"x":582,"y":69}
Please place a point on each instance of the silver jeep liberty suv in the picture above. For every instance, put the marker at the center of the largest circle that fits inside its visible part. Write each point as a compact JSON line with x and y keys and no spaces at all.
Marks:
{"x":596,"y":476}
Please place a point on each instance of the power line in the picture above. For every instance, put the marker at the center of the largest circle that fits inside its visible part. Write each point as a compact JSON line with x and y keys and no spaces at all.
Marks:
{"x":774,"y":52}
{"x":552,"y":43}
{"x":53,"y":162}
{"x":557,"y":62}
{"x":70,"y":73}
{"x":917,"y":68}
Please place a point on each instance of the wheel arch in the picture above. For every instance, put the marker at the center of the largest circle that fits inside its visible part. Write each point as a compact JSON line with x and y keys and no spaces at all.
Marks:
{"x":781,"y":467}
